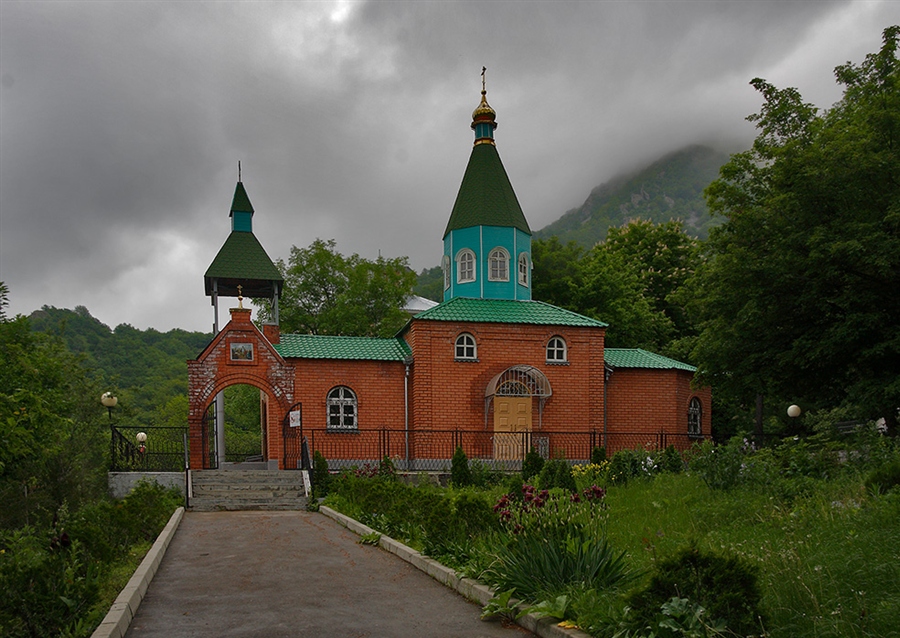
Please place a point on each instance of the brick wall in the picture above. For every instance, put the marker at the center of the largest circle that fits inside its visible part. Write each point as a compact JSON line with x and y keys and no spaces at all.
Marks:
{"x":239,"y":354}
{"x":449,"y":394}
{"x":650,"y":401}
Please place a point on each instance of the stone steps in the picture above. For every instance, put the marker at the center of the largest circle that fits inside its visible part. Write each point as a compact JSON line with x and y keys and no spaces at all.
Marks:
{"x":233,"y":490}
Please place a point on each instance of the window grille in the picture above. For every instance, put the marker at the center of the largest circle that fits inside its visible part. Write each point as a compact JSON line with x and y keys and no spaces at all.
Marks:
{"x":342,"y":409}
{"x":556,"y":350}
{"x":499,"y":265}
{"x":523,"y":269}
{"x":465,"y":347}
{"x":465,"y":266}
{"x":695,"y":413}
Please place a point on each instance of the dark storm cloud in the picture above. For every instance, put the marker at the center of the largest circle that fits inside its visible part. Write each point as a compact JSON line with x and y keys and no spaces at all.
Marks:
{"x":122,"y":123}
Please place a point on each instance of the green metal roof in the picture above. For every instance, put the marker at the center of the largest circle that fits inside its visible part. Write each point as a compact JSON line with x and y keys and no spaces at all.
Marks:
{"x":637,"y":358}
{"x":486,"y":196}
{"x":506,"y":311}
{"x":241,"y":202}
{"x":302,"y":346}
{"x":243,"y":261}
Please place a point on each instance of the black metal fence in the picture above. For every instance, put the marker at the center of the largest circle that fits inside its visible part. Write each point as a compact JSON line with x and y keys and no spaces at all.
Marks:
{"x":431,"y":450}
{"x":163,"y":449}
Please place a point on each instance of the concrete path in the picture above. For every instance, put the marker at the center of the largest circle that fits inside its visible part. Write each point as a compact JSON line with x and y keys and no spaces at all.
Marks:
{"x":297,"y":574}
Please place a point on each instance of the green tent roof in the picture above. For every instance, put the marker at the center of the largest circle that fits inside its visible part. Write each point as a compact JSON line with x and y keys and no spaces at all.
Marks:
{"x":637,"y":358}
{"x":241,"y":202}
{"x":303,"y":346}
{"x":486,"y":196}
{"x":242,"y":261}
{"x":506,"y":311}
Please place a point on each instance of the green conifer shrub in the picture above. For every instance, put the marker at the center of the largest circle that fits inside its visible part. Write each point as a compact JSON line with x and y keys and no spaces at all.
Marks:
{"x":532,"y":465}
{"x":459,"y":469}
{"x":321,"y":478}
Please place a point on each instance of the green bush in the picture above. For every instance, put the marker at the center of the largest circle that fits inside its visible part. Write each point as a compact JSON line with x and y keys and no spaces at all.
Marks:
{"x":532,"y":465}
{"x":557,"y":473}
{"x":598,"y":455}
{"x":726,"y":587}
{"x":321,"y":478}
{"x":885,"y":477}
{"x":719,"y":465}
{"x":671,"y":461}
{"x":47,"y":586}
{"x":626,"y":465}
{"x":459,"y":469}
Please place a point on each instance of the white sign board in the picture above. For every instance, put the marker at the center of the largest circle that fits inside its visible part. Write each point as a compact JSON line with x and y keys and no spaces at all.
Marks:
{"x":295,"y":419}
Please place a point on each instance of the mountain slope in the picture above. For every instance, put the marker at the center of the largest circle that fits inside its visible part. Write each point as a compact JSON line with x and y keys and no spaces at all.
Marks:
{"x":670,"y":188}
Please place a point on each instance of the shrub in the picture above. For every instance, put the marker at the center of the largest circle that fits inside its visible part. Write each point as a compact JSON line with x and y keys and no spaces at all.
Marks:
{"x":885,"y":477}
{"x":557,"y":473}
{"x":671,"y":461}
{"x":46,"y":586}
{"x":598,"y":455}
{"x":321,"y":478}
{"x":589,"y":475}
{"x":726,"y":587}
{"x":556,"y":544}
{"x":719,"y":465}
{"x":626,"y":465}
{"x":459,"y":468}
{"x":532,"y":465}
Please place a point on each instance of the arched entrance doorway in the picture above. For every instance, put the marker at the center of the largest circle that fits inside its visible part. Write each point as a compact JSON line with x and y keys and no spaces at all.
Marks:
{"x":512,"y":395}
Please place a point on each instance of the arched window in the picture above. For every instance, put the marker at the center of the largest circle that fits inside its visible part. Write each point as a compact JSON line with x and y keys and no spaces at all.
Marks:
{"x":465,"y":266}
{"x":556,"y":350}
{"x":445,"y":265}
{"x":695,"y":414}
{"x":523,"y":269}
{"x":465,"y":347}
{"x":342,"y":409}
{"x":498,"y":260}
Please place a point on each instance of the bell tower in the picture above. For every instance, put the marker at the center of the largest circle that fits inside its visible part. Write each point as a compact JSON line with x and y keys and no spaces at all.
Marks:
{"x":487,"y":242}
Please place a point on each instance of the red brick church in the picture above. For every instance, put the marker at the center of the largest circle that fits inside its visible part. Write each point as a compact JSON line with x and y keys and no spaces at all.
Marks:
{"x":488,"y":369}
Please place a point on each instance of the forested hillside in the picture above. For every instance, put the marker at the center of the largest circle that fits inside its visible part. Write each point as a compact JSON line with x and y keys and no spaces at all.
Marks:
{"x":670,"y":188}
{"x":146,"y":369}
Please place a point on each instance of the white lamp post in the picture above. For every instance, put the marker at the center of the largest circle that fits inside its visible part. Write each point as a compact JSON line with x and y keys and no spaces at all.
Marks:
{"x":109,"y":402}
{"x":794,"y":411}
{"x":141,"y":438}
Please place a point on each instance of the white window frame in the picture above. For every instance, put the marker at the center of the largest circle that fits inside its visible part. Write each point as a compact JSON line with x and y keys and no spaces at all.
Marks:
{"x":338,"y":400}
{"x":465,"y":266}
{"x":465,"y":348}
{"x":557,"y":350}
{"x":523,"y":269}
{"x":445,"y":264}
{"x":498,"y":264}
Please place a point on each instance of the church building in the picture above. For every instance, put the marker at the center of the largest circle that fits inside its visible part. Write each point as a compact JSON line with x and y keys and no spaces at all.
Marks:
{"x":489,"y":368}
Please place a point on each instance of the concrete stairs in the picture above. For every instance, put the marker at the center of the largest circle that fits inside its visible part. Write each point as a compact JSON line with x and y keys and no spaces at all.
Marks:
{"x":217,"y":490}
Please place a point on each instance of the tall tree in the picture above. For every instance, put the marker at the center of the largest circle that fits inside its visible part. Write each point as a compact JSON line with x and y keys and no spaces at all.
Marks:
{"x":328,"y":293}
{"x":799,"y":298}
{"x":51,"y":432}
{"x":664,"y":257}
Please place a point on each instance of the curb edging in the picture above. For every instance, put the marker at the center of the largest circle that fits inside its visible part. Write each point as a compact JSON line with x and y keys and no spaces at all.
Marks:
{"x":467,"y":587}
{"x":123,"y":609}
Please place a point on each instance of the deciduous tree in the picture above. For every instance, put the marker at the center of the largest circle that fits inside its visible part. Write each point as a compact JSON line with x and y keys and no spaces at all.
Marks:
{"x":800,"y":298}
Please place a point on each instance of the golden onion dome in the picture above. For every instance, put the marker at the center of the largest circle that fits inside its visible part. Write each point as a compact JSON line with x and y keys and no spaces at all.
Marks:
{"x":484,"y":109}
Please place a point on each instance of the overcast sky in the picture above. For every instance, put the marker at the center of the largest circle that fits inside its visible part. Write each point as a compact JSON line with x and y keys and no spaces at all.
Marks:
{"x":122,"y":123}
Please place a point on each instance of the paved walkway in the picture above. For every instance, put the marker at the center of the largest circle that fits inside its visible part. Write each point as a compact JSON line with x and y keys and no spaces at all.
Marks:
{"x":297,"y":574}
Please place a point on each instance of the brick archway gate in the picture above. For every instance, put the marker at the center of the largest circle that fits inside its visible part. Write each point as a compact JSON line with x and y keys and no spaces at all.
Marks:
{"x":239,"y":354}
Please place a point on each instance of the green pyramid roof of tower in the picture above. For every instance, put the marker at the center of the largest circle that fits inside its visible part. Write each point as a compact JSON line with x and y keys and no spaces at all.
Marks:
{"x":242,"y":261}
{"x":241,"y":203}
{"x":486,"y":196}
